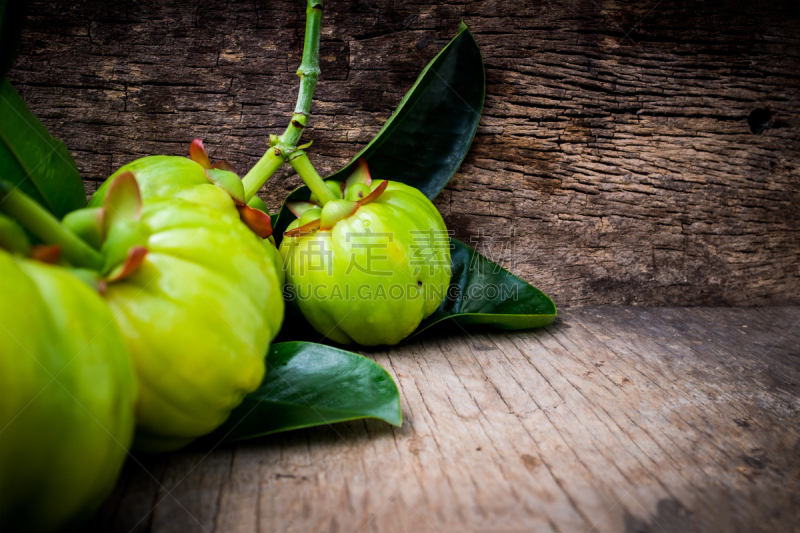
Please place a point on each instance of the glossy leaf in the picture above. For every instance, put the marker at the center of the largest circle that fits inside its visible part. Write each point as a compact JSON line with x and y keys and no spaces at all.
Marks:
{"x":31,"y":159}
{"x":429,"y":134}
{"x":309,"y":384}
{"x":482,"y":292}
{"x":427,"y":137}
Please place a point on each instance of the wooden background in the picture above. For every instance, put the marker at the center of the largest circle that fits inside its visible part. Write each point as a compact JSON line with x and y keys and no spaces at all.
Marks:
{"x":611,"y":420}
{"x":614,"y":162}
{"x":631,"y":152}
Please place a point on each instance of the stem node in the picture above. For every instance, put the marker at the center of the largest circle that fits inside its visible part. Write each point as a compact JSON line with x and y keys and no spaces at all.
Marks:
{"x":286,"y":144}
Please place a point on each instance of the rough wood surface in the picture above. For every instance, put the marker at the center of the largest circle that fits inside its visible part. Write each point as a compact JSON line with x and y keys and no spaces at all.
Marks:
{"x":615,"y":152}
{"x":613,"y":419}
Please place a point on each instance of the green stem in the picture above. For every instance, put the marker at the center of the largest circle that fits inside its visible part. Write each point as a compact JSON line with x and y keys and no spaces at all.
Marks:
{"x":262,"y":171}
{"x":308,"y":72}
{"x":286,"y":144}
{"x":47,"y":227}
{"x":305,"y":170}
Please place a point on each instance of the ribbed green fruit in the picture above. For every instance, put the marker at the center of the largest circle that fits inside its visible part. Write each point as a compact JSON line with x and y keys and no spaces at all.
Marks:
{"x":374,"y":275}
{"x":198,"y":316}
{"x":67,"y":395}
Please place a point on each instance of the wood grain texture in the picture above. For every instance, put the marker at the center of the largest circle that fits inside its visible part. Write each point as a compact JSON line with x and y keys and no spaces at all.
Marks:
{"x":614,"y":163}
{"x":613,"y":419}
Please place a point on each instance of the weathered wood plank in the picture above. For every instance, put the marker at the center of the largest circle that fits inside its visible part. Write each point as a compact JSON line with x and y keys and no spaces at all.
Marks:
{"x":615,"y":155}
{"x":612,"y":419}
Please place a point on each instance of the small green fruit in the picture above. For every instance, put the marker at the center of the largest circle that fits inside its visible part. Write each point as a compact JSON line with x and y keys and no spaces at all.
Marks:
{"x":374,"y":268}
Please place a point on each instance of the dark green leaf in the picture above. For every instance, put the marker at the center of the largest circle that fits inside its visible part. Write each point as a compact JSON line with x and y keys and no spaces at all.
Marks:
{"x":482,"y":292}
{"x":30,"y":158}
{"x":428,"y":136}
{"x":309,"y":384}
{"x":12,"y":16}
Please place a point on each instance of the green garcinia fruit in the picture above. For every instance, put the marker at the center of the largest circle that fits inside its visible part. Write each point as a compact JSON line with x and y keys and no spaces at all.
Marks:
{"x":198,"y":299}
{"x":195,"y":180}
{"x":370,"y":264}
{"x":67,"y":395}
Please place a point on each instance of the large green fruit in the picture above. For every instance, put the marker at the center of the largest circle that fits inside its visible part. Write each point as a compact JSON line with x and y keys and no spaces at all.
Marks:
{"x":198,"y":298}
{"x":67,"y":394}
{"x":368,"y":272}
{"x":162,"y":176}
{"x":195,"y":180}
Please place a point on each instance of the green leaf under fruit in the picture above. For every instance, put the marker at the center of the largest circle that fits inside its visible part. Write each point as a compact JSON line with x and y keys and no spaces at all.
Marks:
{"x":33,"y":160}
{"x":429,"y":134}
{"x":483,"y":292}
{"x":309,"y":384}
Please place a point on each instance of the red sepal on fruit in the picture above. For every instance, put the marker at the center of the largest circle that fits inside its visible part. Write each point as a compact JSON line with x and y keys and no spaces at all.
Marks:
{"x":374,"y":194}
{"x":134,"y":260}
{"x":123,"y":201}
{"x":359,"y":181}
{"x":46,"y":253}
{"x":255,"y":219}
{"x":360,"y":174}
{"x":223,"y":175}
{"x":198,"y":154}
{"x":303,"y":230}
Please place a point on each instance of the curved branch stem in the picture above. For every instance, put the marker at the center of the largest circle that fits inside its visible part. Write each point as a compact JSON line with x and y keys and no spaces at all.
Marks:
{"x":282,"y":147}
{"x":261,"y":172}
{"x":301,"y":164}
